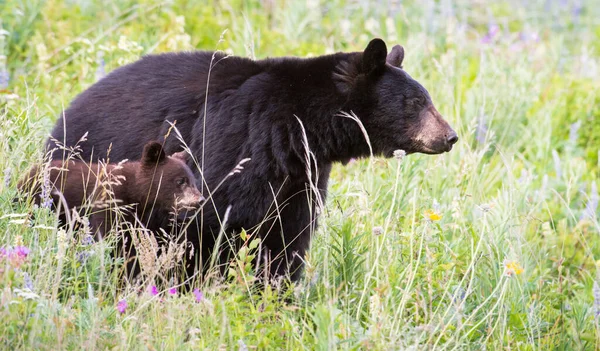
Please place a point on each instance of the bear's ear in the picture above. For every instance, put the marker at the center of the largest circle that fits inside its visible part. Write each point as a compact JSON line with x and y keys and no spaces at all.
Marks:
{"x":396,"y":56}
{"x":181,"y":155}
{"x":153,"y":154}
{"x":374,"y":56}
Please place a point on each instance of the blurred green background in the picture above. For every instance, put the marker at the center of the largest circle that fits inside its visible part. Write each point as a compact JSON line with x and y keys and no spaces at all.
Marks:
{"x":492,"y":246}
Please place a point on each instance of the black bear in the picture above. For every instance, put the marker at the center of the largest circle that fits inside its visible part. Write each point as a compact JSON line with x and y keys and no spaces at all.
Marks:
{"x":156,"y":192}
{"x":156,"y":186}
{"x":292,"y":117}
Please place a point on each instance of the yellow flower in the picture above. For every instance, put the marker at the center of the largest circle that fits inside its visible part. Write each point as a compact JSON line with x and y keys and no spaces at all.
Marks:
{"x":432,"y":215}
{"x":512,"y":268}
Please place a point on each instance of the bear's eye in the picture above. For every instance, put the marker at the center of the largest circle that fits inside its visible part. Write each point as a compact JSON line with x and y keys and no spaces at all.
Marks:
{"x":181,"y":181}
{"x":415,"y":101}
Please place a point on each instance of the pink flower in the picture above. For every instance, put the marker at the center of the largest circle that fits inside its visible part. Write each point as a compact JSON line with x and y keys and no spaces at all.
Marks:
{"x":173,"y":291}
{"x":122,"y":306}
{"x":152,"y":290}
{"x":21,"y":251}
{"x":198,"y":294}
{"x":15,"y":256}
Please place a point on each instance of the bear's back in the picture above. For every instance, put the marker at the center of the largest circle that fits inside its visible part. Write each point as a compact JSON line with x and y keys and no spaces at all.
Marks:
{"x":139,"y":97}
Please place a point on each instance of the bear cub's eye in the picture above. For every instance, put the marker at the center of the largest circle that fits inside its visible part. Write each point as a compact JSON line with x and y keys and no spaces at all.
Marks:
{"x":182,"y":181}
{"x":418,"y":101}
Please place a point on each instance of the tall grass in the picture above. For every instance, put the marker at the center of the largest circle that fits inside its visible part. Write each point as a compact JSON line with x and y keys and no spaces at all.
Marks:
{"x":494,"y":245}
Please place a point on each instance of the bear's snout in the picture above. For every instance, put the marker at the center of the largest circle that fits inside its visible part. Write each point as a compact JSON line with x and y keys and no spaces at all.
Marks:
{"x":191,"y":198}
{"x":435,"y":135}
{"x":451,"y":139}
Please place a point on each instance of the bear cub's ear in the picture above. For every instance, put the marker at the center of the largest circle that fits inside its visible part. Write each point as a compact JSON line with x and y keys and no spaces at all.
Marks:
{"x":396,"y":56}
{"x":374,"y":56}
{"x":181,"y":155}
{"x":153,"y":153}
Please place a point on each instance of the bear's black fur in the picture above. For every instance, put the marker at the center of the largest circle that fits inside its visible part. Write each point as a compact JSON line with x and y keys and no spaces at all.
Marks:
{"x":230,"y":108}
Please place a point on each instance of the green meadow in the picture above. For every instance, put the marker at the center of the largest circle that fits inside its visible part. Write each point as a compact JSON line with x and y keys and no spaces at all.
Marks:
{"x":493,"y":246}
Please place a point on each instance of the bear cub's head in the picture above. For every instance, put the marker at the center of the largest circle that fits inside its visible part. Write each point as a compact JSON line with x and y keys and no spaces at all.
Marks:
{"x":166,"y":181}
{"x":396,"y":110}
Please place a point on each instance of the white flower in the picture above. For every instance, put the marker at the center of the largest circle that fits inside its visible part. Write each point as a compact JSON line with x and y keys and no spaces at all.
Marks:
{"x":399,"y":154}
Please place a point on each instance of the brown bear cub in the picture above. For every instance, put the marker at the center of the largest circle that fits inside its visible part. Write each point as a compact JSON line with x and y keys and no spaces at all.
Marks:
{"x":151,"y":189}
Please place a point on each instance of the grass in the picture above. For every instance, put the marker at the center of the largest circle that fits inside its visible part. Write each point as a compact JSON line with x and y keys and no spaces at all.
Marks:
{"x":494,"y":245}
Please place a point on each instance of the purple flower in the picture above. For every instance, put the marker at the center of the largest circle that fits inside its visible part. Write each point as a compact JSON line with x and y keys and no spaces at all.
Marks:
{"x":4,"y":78}
{"x":152,"y":290}
{"x":198,"y":294}
{"x":596,"y":293}
{"x":7,"y":176}
{"x":592,"y":204}
{"x":101,"y":70}
{"x":574,"y":132}
{"x":27,"y":282}
{"x":122,"y":306}
{"x":21,"y":251}
{"x":493,"y":29}
{"x":87,"y":240}
{"x":46,"y":191}
{"x":482,"y":129}
{"x":173,"y":291}
{"x":83,"y":256}
{"x":15,"y":256}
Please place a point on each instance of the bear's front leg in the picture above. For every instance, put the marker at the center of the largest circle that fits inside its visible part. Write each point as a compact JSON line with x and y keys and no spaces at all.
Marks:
{"x":286,"y":239}
{"x":99,"y":224}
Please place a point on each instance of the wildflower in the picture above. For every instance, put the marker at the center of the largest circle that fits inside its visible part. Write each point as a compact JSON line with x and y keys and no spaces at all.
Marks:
{"x":83,"y":256}
{"x":432,"y":215}
{"x":7,"y":176}
{"x":459,"y":295}
{"x":61,"y":238}
{"x":46,"y":190}
{"x":122,"y":306}
{"x":242,"y":346}
{"x":14,"y":256}
{"x":592,"y":204}
{"x":27,"y":282}
{"x":493,"y":30}
{"x":486,"y":207}
{"x":101,"y":71}
{"x":314,"y":280}
{"x":377,"y":230}
{"x":4,"y":75}
{"x":512,"y":268}
{"x":173,"y":291}
{"x":557,"y":167}
{"x":596,"y":293}
{"x":152,"y":290}
{"x":87,"y":240}
{"x":436,"y":206}
{"x":399,"y":154}
{"x":21,"y":252}
{"x":482,"y":129}
{"x":574,"y":131}
{"x":198,"y":294}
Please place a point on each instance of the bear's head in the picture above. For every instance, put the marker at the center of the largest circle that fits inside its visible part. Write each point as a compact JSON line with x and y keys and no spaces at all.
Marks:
{"x":396,"y":111}
{"x":167,"y":182}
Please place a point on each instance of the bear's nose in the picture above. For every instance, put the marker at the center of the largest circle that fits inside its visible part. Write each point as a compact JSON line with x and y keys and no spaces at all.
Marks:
{"x":452,"y":138}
